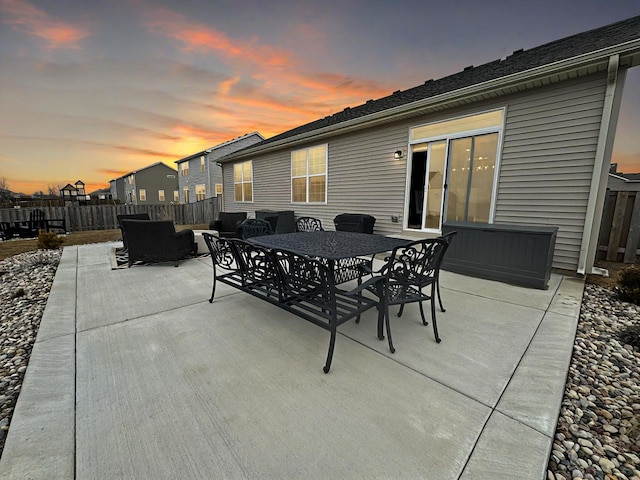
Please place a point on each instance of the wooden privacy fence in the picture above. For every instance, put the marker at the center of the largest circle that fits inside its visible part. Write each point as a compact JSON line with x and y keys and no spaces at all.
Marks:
{"x":620,"y":228}
{"x":104,"y":217}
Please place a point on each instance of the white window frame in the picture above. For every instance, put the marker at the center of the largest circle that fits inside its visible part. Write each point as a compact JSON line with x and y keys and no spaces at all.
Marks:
{"x":142,"y":195}
{"x":242,"y":182}
{"x":499,"y":129}
{"x":218,"y":189}
{"x":185,"y":194}
{"x":203,"y":165}
{"x":161,"y":195}
{"x":201,"y":192}
{"x":307,"y":175}
{"x":184,"y":169}
{"x":176,"y":196}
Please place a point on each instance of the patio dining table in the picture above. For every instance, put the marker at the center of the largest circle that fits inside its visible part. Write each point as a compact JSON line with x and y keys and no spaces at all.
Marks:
{"x":341,"y":250}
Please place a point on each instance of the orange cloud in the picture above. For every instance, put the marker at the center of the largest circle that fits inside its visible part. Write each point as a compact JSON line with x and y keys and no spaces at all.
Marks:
{"x":201,"y":37}
{"x":35,"y":22}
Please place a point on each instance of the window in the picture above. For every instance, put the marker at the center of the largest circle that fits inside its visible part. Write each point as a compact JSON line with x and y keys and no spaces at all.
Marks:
{"x":452,"y":170}
{"x":201,"y":192}
{"x":243,"y":181}
{"x":176,"y":196}
{"x":184,"y":169}
{"x":202,"y":164}
{"x":309,"y":175}
{"x":143,"y":195}
{"x":218,"y":189}
{"x":185,"y":194}
{"x":161,"y":195}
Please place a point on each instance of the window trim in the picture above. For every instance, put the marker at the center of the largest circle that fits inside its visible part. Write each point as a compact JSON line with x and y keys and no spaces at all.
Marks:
{"x":242,"y":182}
{"x":499,"y":129}
{"x":142,"y":194}
{"x":184,"y":169}
{"x":307,"y":176}
{"x":161,"y":196}
{"x":185,"y":194}
{"x":202,"y":193}
{"x":203,"y":166}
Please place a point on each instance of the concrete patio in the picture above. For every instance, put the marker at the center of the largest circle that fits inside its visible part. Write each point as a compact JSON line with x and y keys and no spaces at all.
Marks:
{"x":135,"y":375}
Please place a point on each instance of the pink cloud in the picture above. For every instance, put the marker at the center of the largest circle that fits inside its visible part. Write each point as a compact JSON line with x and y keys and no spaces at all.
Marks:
{"x":35,"y":22}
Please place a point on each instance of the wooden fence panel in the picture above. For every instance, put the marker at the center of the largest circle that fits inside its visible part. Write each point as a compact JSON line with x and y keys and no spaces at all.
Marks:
{"x":104,"y":217}
{"x":619,"y":236}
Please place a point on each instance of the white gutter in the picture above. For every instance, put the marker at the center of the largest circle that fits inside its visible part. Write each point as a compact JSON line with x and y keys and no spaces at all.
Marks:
{"x":389,"y":114}
{"x":600,"y":172}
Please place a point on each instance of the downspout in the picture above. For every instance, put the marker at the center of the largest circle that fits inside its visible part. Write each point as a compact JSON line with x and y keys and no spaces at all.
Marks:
{"x":600,"y":171}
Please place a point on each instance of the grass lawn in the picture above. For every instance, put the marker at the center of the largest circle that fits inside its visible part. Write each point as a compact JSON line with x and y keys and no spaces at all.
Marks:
{"x":14,"y":247}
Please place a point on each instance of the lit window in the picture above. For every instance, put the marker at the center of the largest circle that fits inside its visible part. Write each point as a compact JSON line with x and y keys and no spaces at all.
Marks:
{"x":243,"y":181}
{"x":184,"y":169}
{"x":201,"y":192}
{"x":161,"y":195}
{"x":185,"y":194}
{"x":202,"y":164}
{"x":143,"y":195}
{"x":176,"y":196}
{"x":218,"y":189}
{"x":309,"y":175}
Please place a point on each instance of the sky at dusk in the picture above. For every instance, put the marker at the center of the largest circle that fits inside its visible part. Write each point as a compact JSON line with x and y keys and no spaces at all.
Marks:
{"x":91,"y":90}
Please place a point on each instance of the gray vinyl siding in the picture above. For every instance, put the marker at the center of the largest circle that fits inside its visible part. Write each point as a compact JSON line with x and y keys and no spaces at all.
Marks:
{"x":547,"y":161}
{"x":545,"y":167}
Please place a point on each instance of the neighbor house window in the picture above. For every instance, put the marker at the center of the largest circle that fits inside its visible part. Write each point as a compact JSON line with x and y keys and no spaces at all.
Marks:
{"x":185,"y":194}
{"x":161,"y":195}
{"x":143,"y":195}
{"x":184,"y":168}
{"x":202,"y":164}
{"x":201,"y":192}
{"x":309,"y":175}
{"x":243,"y":181}
{"x":176,"y":196}
{"x":218,"y":189}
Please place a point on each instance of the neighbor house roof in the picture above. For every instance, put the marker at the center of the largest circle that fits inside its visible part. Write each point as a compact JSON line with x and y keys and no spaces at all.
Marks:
{"x":224,"y":144}
{"x":573,"y":56}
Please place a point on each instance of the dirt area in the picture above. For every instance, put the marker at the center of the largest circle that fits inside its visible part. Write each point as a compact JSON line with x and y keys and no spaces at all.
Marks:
{"x":613,"y":267}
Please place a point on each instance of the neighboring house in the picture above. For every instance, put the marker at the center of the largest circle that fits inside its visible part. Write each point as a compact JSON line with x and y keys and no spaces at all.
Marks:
{"x":623,"y":182}
{"x":200,"y":176}
{"x":74,"y":194}
{"x":102,"y":194}
{"x":526,"y":139}
{"x":156,"y":184}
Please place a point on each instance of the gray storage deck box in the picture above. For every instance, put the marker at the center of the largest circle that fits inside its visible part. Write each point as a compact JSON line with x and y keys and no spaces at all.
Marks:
{"x":518,"y":254}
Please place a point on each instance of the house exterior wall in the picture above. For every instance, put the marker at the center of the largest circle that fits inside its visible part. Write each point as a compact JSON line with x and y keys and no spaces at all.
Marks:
{"x":195,"y":177}
{"x":545,"y":167}
{"x":155,"y":178}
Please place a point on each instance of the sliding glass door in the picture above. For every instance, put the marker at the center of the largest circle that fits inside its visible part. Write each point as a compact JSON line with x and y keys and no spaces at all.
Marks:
{"x":453,"y":178}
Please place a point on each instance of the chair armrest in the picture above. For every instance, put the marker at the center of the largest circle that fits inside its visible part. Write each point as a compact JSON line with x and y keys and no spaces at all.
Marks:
{"x":215,"y":225}
{"x":365,"y":286}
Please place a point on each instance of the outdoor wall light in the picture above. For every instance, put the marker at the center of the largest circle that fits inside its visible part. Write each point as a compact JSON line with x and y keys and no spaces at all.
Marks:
{"x":397,"y":154}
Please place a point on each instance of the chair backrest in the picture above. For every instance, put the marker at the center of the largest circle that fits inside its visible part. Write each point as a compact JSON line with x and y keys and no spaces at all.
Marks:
{"x":308,"y":224}
{"x":148,"y":235}
{"x":230,"y":221}
{"x":222,"y":251}
{"x":416,"y":263}
{"x":256,"y":263}
{"x":132,"y":216}
{"x":305,"y":276}
{"x":354,"y":222}
{"x":448,"y":237}
{"x":36,"y":219}
{"x":252,"y":227}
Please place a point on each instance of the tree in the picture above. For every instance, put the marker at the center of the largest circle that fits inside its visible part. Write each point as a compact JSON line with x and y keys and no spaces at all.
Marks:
{"x":5,"y":194}
{"x":54,"y":190}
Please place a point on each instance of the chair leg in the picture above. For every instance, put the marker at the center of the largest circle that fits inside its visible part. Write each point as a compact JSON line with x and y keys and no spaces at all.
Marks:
{"x":213,"y":288}
{"x":424,"y":321}
{"x":386,"y":316}
{"x":439,"y":297}
{"x":433,"y":314}
{"x":401,"y":310}
{"x":332,"y":343}
{"x":359,"y":302}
